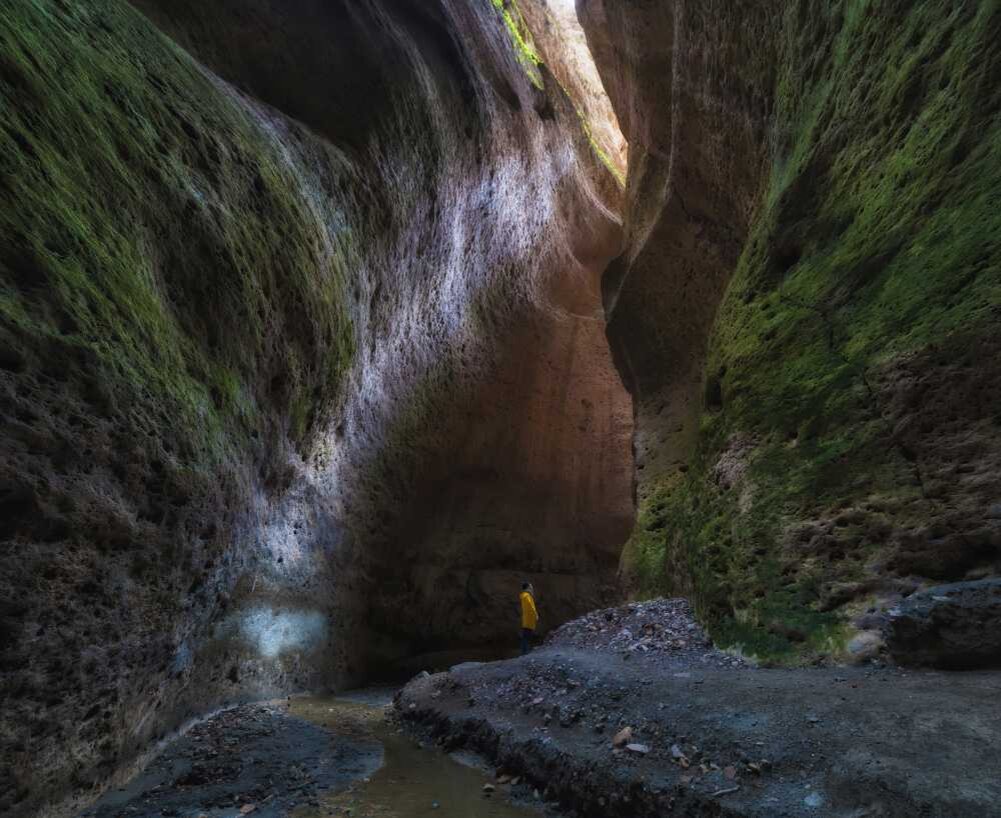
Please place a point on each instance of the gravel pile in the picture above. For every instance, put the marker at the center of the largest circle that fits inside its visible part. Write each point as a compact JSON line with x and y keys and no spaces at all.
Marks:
{"x":660,"y":627}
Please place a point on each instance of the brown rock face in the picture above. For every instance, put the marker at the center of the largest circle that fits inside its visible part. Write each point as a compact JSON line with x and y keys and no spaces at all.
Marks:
{"x":303,"y":361}
{"x":690,"y":89}
{"x":536,"y":486}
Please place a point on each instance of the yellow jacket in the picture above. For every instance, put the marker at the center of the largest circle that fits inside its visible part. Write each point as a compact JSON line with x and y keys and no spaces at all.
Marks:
{"x":529,"y":616}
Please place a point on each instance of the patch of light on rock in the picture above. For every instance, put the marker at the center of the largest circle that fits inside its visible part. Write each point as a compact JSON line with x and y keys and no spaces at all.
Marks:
{"x":273,"y":633}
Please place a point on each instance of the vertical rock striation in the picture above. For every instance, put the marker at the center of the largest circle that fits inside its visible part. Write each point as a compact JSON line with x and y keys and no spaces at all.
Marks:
{"x":302,"y":359}
{"x":807,"y":308}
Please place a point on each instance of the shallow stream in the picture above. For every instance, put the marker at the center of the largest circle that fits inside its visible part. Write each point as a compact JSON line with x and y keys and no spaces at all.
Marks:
{"x":309,"y":757}
{"x":412,"y":781}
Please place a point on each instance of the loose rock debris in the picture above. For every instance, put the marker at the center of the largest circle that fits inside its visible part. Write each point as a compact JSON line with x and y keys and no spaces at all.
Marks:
{"x":249,"y":760}
{"x":662,"y":629}
{"x":632,"y":712}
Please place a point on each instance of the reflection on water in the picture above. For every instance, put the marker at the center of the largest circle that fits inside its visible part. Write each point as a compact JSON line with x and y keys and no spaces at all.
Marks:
{"x":412,"y":781}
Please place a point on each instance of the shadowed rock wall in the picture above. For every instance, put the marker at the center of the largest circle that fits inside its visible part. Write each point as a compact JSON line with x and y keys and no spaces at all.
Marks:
{"x":807,"y":308}
{"x":302,"y":363}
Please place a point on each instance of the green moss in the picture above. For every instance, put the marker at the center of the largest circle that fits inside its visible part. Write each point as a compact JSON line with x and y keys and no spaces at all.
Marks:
{"x":521,"y":39}
{"x":599,"y":151}
{"x":879,"y":236}
{"x":153,"y":225}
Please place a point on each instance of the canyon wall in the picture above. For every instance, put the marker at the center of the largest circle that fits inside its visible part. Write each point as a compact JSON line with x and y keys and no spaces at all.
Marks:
{"x":302,"y":360}
{"x":808,"y":306}
{"x":304,"y":363}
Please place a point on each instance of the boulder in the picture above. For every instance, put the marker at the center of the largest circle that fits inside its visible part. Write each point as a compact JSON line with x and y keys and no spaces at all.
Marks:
{"x":954,"y":626}
{"x":865,"y":645}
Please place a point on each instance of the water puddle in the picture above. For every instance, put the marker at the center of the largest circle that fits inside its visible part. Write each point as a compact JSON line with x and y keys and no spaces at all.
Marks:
{"x":412,"y":781}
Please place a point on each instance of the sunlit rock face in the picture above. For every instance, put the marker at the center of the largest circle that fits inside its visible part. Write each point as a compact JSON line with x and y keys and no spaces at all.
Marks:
{"x":807,"y":307}
{"x":302,"y":360}
{"x":560,"y":40}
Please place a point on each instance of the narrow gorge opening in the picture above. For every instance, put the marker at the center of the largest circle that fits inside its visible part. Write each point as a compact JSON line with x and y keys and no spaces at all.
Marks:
{"x":326,"y":325}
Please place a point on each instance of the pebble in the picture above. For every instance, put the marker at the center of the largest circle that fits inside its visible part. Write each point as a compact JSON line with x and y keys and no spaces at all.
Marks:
{"x":814,"y":800}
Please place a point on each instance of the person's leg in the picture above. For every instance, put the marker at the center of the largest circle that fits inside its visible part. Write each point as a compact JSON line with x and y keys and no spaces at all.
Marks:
{"x":525,"y":647}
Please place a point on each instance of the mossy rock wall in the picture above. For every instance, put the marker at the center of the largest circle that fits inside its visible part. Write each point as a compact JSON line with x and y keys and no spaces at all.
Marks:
{"x":260,"y":266}
{"x":175,"y":331}
{"x":830,"y":262}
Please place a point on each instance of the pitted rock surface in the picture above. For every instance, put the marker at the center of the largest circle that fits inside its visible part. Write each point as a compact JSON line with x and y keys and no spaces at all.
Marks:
{"x":951,"y":626}
{"x":301,"y":342}
{"x":777,"y":290}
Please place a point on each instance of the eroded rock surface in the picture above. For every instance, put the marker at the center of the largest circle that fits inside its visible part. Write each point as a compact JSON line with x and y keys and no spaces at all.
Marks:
{"x":302,"y":344}
{"x":954,"y":626}
{"x":807,"y":307}
{"x":562,"y":45}
{"x":303,"y":352}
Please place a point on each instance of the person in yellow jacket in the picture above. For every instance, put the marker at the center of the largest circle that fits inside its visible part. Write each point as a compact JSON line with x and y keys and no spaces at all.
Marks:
{"x":529,"y":617}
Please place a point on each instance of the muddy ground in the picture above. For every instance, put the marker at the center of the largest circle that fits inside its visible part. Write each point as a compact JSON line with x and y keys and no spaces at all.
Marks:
{"x":709,"y":734}
{"x":313,"y":757}
{"x":253,"y":759}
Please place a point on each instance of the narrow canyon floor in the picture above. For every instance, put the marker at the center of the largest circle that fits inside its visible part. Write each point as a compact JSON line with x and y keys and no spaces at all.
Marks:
{"x":629,"y":711}
{"x":312,"y":756}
